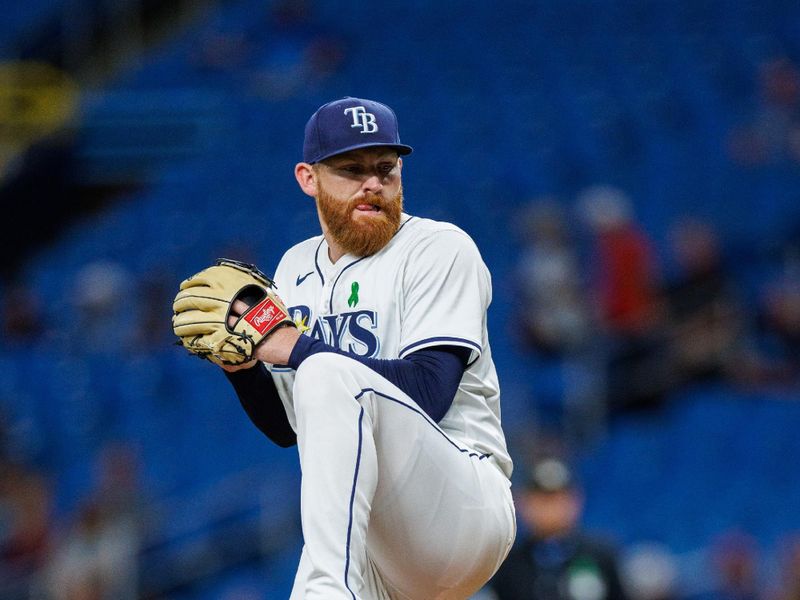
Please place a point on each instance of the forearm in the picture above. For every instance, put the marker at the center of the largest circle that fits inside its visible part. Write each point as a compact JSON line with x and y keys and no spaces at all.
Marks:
{"x":259,"y":397}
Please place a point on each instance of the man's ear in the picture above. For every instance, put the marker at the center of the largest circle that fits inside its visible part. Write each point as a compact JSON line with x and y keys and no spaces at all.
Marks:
{"x":306,"y":178}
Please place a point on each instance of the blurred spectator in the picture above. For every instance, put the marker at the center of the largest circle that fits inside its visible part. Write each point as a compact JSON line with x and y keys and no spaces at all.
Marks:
{"x":94,"y":561}
{"x":103,"y":311}
{"x":625,"y":289}
{"x":649,"y":572}
{"x":5,"y":441}
{"x":626,"y":275}
{"x":780,"y":309}
{"x":705,"y":318}
{"x":25,"y":512}
{"x":773,"y":135}
{"x":553,"y":558}
{"x":554,"y":315}
{"x":782,"y":318}
{"x":789,"y":584}
{"x":98,"y":557}
{"x":118,"y":492}
{"x":21,"y":318}
{"x":734,"y":564}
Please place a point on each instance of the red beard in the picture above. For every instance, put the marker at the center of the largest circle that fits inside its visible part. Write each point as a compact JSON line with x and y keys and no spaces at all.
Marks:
{"x":357,"y":235}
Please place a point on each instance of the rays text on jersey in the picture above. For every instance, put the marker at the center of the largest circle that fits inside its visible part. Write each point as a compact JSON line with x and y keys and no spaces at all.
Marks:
{"x":353,"y":331}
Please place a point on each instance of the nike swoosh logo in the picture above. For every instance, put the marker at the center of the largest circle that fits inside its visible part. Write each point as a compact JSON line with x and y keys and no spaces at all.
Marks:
{"x":302,"y":279}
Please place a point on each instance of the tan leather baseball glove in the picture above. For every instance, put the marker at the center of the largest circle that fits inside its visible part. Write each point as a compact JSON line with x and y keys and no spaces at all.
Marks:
{"x":204,"y":304}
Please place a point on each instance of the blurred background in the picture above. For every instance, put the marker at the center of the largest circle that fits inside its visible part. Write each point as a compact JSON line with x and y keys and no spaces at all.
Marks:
{"x":629,"y":170}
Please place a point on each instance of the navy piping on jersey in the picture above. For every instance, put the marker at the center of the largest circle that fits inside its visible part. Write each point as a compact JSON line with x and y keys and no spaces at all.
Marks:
{"x":427,"y":420}
{"x":403,"y":224}
{"x":352,"y":501}
{"x":316,"y":262}
{"x":319,"y":271}
{"x":439,"y":339}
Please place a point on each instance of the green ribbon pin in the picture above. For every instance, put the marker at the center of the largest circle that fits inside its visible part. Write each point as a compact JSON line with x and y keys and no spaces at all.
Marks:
{"x":353,"y":299}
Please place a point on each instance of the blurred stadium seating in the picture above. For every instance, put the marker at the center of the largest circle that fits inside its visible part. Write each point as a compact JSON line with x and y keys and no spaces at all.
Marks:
{"x":502,"y":102}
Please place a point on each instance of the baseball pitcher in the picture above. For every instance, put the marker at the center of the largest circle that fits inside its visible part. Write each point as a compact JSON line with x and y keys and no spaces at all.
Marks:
{"x":375,"y":361}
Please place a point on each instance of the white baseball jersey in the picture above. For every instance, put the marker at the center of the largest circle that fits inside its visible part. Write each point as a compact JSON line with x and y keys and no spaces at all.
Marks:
{"x":427,"y":287}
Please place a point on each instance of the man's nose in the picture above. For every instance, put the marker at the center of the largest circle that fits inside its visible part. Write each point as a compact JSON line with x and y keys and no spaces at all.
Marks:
{"x":373,"y":184}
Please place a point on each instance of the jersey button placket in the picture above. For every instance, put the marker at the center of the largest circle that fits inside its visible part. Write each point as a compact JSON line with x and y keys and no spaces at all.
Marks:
{"x":331,"y":275}
{"x":323,"y":299}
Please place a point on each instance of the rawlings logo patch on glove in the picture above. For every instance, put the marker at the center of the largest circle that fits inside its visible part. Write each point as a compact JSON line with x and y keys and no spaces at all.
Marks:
{"x":203,"y":308}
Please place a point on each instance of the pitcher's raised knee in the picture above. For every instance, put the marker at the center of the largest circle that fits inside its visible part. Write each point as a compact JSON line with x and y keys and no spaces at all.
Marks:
{"x":325,"y":372}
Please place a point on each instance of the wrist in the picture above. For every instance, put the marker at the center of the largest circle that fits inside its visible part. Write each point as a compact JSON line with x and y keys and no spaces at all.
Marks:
{"x":277,"y":346}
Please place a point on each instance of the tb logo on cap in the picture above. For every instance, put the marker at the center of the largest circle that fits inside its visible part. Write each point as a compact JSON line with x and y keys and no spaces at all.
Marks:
{"x":363,"y":119}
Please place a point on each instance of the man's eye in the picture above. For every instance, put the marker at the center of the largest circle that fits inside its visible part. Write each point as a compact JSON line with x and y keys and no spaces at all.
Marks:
{"x":386,"y":169}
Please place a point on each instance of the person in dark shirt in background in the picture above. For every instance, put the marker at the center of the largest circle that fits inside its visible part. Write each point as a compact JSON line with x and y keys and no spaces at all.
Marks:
{"x":705,"y":318}
{"x":556,"y":560}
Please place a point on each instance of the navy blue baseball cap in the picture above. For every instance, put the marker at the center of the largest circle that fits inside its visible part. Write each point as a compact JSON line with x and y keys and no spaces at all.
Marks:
{"x":348,"y":124}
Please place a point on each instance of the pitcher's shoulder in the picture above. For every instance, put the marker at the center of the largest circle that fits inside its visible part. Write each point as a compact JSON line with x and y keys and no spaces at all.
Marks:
{"x":415,"y":229}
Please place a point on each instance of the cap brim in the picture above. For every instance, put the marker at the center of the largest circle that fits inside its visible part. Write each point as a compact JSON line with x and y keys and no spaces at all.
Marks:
{"x":401,"y":149}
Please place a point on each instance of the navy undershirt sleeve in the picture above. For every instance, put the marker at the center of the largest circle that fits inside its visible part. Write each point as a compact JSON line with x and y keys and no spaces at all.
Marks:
{"x":260,"y":399}
{"x":429,"y":376}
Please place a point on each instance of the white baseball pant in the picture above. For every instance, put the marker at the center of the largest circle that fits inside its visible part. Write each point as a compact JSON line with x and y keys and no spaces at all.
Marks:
{"x":392,"y":507}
